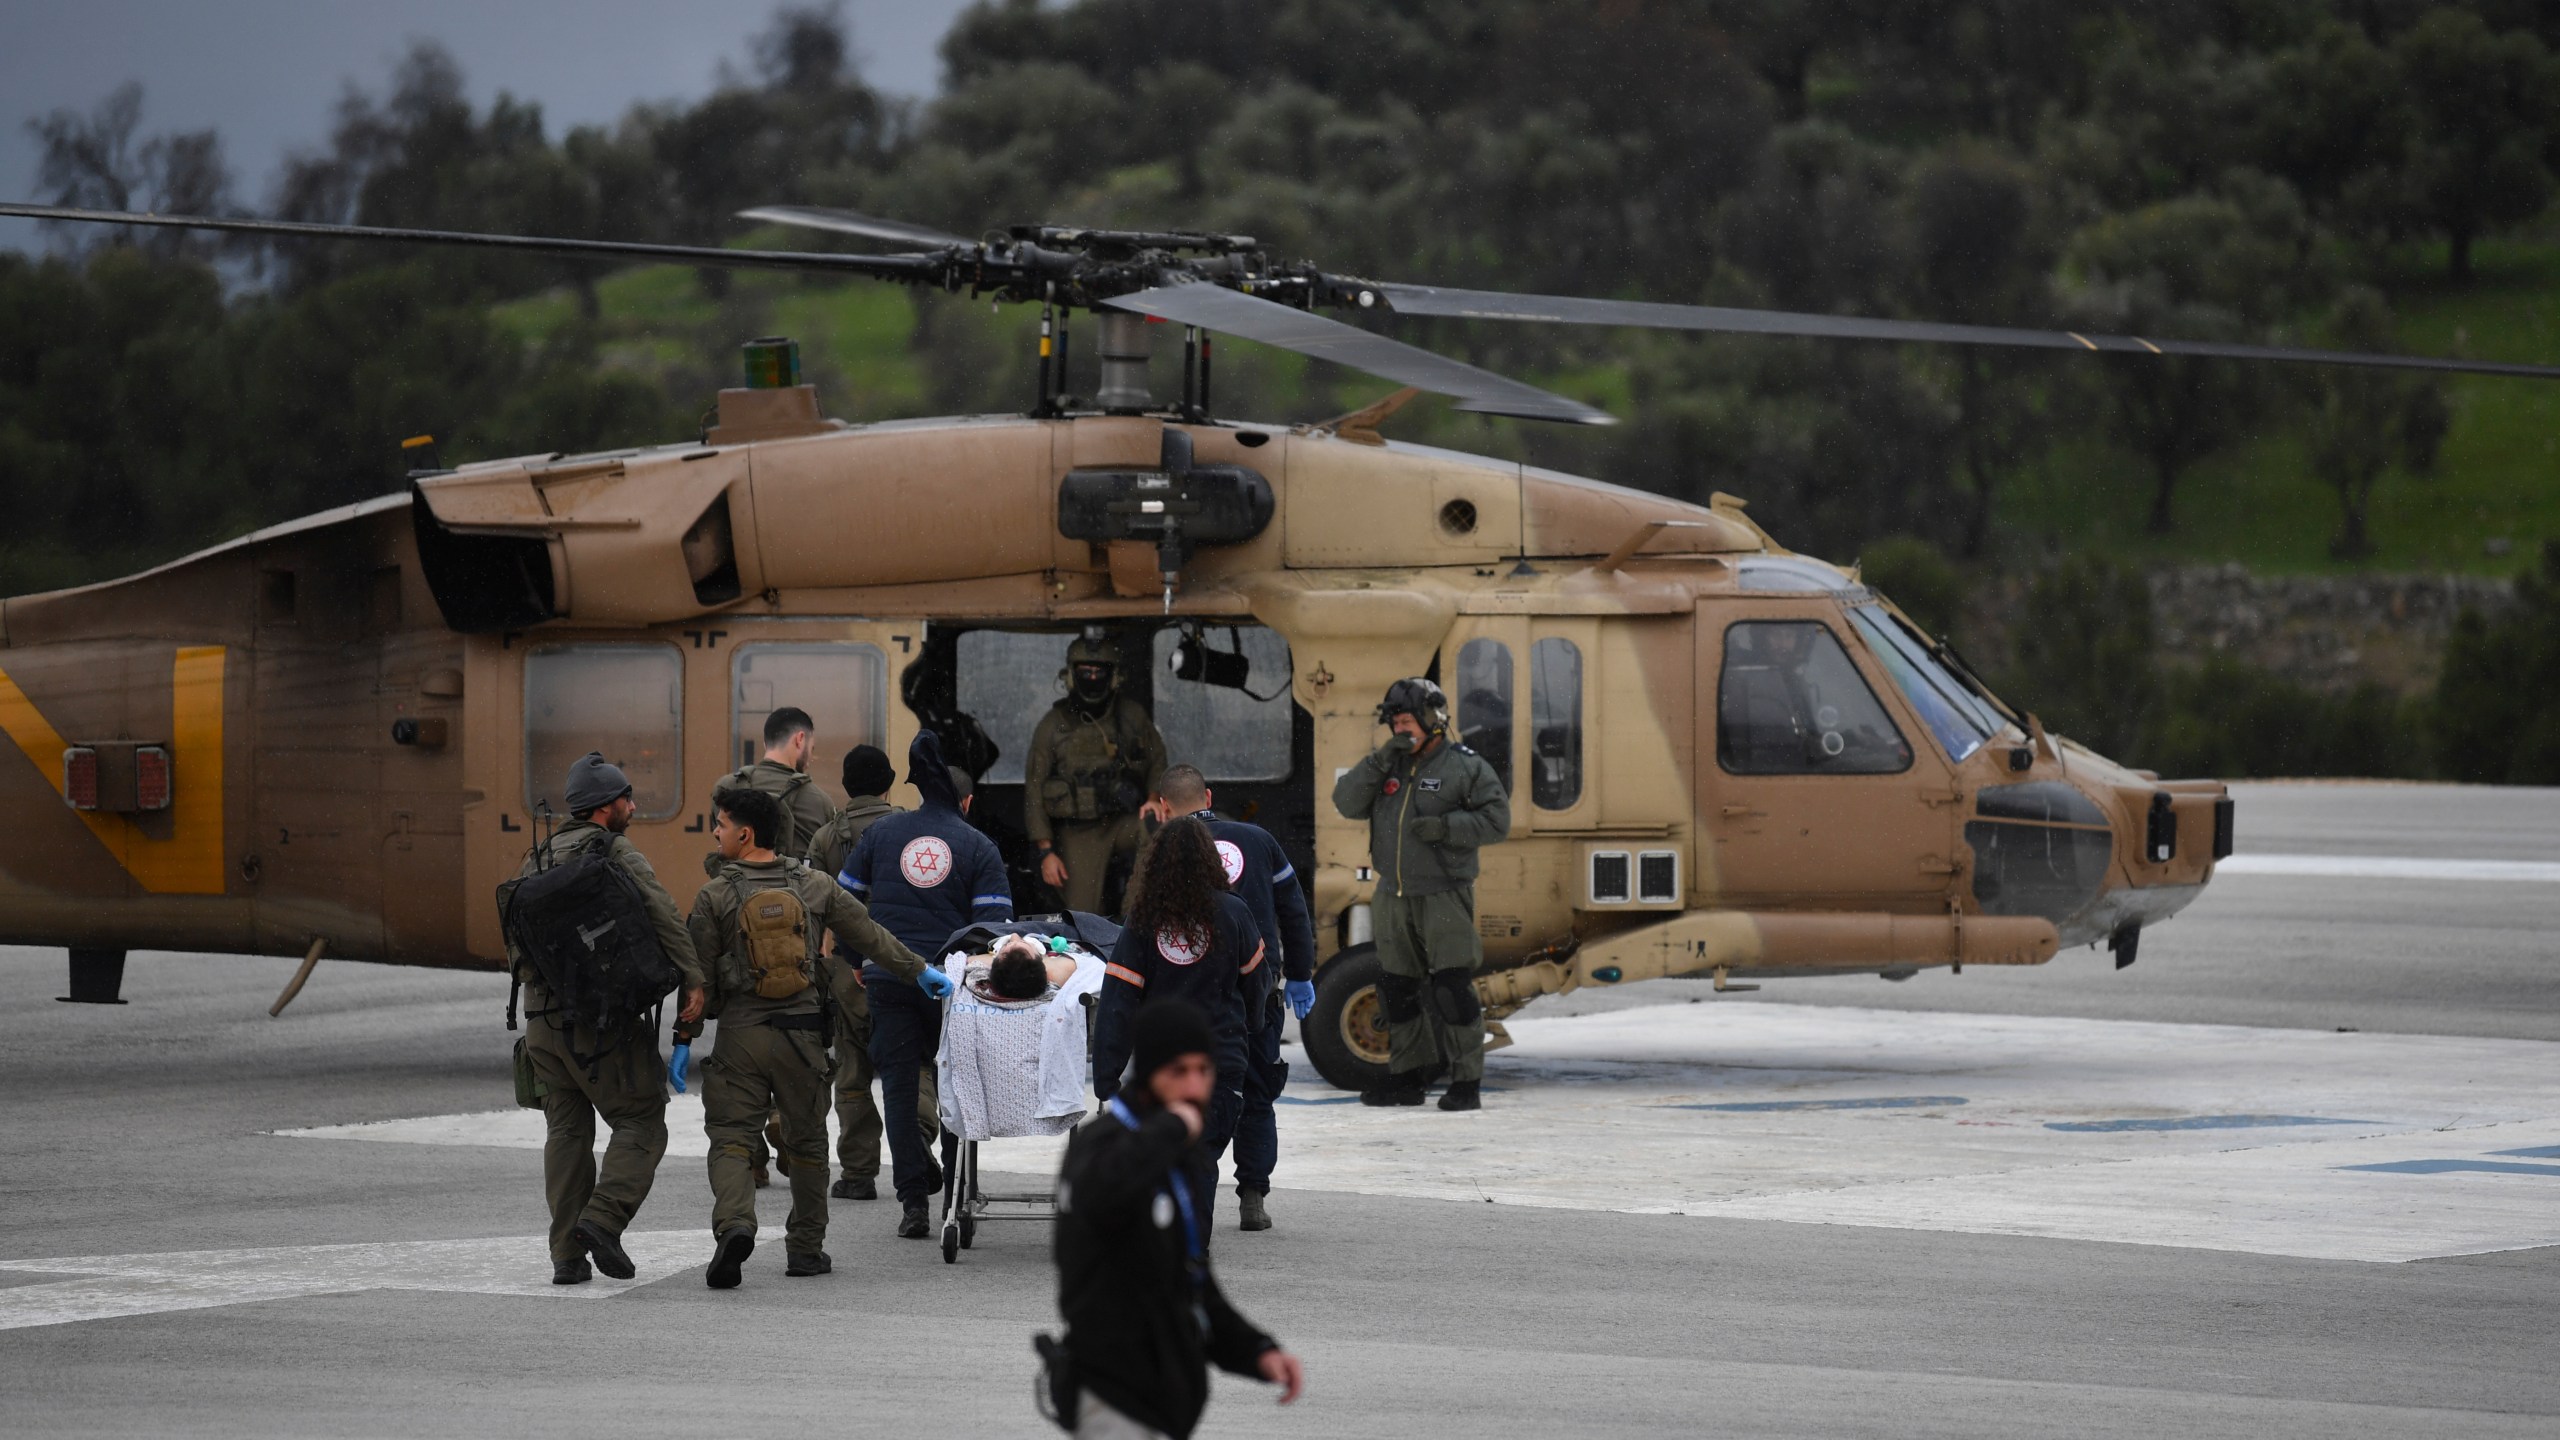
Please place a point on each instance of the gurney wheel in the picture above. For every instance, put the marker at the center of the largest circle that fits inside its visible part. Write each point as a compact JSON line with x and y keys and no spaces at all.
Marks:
{"x":968,"y":1230}
{"x":950,"y":1244}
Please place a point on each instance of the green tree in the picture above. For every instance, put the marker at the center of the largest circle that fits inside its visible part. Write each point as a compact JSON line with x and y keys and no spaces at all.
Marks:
{"x":2487,"y":107}
{"x":2492,"y":720}
{"x":2363,"y":422}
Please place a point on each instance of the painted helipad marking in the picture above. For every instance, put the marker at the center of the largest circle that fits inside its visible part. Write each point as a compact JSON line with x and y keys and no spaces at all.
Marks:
{"x":2449,"y":1167}
{"x":114,"y":1286}
{"x":2198,"y":1122}
{"x":2389,"y":867}
{"x":2082,"y":1129}
{"x":1881,"y":1102}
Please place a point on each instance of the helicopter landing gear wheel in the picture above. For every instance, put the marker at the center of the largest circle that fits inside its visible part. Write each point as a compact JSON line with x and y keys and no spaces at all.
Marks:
{"x":1346,"y":1033}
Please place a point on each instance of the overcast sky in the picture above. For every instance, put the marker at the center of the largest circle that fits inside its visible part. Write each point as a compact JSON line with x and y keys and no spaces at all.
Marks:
{"x":267,"y":72}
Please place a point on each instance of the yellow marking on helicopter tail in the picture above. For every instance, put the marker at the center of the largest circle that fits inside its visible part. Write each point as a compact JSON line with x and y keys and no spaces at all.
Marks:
{"x":2083,"y":339}
{"x":2145,"y":344}
{"x":190,"y":860}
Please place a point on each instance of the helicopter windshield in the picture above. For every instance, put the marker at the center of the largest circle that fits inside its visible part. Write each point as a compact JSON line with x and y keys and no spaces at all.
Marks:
{"x":1961,"y":719}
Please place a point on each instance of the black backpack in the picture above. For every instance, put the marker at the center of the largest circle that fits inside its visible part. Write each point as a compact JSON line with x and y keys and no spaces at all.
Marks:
{"x":583,"y":926}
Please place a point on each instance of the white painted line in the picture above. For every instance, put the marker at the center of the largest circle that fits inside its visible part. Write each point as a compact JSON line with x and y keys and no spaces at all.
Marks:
{"x":113,"y":1286}
{"x":2390,"y":867}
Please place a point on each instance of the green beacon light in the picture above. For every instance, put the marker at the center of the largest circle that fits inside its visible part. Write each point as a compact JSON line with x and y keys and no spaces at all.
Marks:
{"x":773,"y":363}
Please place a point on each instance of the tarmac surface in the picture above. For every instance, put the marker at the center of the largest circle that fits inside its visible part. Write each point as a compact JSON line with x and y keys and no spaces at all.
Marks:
{"x":2295,"y":1172}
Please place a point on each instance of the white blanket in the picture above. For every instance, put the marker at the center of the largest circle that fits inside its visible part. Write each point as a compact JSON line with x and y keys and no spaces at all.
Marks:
{"x":1066,"y":1065}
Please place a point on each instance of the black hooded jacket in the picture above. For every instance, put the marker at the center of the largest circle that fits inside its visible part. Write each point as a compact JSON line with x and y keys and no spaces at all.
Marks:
{"x":928,"y":872}
{"x":1143,"y":1332}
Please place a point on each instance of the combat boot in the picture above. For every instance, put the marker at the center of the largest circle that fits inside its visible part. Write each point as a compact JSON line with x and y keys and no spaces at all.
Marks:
{"x":912,"y":1225}
{"x":1462,"y":1096}
{"x":855,"y":1187}
{"x":732,"y":1251}
{"x":814,"y":1262}
{"x":1249,"y":1212}
{"x":607,"y":1250}
{"x":1402,"y":1089}
{"x":572,"y":1271}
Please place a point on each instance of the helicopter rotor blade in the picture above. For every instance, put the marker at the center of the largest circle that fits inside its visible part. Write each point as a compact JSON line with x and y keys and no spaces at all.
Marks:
{"x":1232,"y":312}
{"x":1570,"y":310}
{"x":920,"y":269}
{"x":847,"y":222}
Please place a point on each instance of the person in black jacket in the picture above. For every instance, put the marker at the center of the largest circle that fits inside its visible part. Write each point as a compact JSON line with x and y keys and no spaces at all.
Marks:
{"x":1145,"y":1317}
{"x":1187,"y":939}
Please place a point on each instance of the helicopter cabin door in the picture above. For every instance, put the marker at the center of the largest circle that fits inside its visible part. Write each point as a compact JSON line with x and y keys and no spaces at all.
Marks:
{"x":1815,"y":788}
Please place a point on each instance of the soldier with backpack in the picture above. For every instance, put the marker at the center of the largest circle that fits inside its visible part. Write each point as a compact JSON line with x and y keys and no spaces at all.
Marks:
{"x":595,"y":944}
{"x":757,"y":926}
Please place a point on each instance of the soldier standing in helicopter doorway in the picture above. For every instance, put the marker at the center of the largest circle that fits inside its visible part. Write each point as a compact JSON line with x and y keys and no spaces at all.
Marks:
{"x":1094,"y":760}
{"x":1431,"y":803}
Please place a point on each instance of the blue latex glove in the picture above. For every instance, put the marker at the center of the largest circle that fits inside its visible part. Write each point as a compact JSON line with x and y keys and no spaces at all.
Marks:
{"x":1302,"y":997}
{"x":679,"y":1061}
{"x":934,"y":983}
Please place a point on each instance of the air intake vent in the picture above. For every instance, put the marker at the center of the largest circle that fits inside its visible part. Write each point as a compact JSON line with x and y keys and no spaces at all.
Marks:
{"x":1609,"y":877}
{"x":1658,"y":877}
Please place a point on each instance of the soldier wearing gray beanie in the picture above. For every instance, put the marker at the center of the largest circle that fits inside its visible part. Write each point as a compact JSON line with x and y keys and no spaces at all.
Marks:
{"x":594,"y":782}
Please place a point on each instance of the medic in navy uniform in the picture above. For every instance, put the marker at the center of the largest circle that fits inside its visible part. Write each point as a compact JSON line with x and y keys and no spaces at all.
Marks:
{"x":1258,"y":873}
{"x":924,"y":874}
{"x":1187,"y":939}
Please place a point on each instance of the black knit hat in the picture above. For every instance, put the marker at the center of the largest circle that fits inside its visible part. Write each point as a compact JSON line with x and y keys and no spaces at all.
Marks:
{"x":594,"y":783}
{"x":867,"y":771}
{"x":1165,"y":1031}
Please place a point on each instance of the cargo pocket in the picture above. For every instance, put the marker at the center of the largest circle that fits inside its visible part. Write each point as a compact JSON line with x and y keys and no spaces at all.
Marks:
{"x":528,"y":1088}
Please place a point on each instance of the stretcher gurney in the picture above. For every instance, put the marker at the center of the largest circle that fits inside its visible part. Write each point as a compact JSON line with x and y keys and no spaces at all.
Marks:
{"x":990,"y":1071}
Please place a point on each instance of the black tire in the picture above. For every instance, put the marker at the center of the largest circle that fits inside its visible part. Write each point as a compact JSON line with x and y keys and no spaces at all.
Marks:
{"x":968,"y":1230}
{"x":950,"y":1245}
{"x":1345,"y":1034}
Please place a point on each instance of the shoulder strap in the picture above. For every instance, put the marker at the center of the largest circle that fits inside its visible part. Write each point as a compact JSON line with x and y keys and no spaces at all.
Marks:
{"x":798,"y":779}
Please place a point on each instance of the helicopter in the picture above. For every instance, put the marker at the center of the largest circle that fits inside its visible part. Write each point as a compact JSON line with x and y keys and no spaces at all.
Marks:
{"x":337,"y":735}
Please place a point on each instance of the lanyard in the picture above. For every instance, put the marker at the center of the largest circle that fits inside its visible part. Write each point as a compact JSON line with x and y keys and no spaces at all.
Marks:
{"x":1180,"y":1189}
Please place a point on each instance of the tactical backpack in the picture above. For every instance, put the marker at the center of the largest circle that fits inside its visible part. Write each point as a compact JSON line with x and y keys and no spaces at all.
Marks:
{"x":790,"y":841}
{"x":772,"y":956}
{"x":584,"y":928}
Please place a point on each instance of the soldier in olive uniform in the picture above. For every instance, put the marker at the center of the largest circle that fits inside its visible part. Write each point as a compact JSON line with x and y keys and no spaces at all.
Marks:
{"x":592,"y":1205}
{"x":1093,"y":762}
{"x":867,"y":778}
{"x":1431,"y":803}
{"x":769,"y":1055}
{"x":789,"y":737}
{"x":783,"y":773}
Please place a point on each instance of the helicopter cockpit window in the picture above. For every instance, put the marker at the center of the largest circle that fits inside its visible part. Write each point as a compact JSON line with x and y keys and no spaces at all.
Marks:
{"x":843,"y":686}
{"x":1791,"y":703}
{"x":1790,"y":575}
{"x":625,"y":700}
{"x":1221,"y":720}
{"x":1555,"y":724}
{"x":1009,"y":679}
{"x":1953,"y":713}
{"x":1484,"y":703}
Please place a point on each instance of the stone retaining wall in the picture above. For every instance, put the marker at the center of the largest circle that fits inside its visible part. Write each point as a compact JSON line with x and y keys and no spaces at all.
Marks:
{"x":2329,"y":632}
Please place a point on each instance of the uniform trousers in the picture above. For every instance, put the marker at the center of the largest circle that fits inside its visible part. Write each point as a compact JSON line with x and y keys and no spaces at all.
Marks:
{"x":906,"y":1032}
{"x":755,"y":1071}
{"x":630,"y":1091}
{"x":857,"y":1115}
{"x":1265,"y":1075}
{"x":1419,"y":936}
{"x":1088,"y":848}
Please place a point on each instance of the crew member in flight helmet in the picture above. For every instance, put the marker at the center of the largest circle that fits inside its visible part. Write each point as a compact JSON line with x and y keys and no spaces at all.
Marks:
{"x":1431,"y":804}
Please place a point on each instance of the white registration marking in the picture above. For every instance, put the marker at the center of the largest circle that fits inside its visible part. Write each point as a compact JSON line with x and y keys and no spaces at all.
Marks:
{"x":2200,"y":1136}
{"x":2390,"y":867}
{"x":113,"y":1286}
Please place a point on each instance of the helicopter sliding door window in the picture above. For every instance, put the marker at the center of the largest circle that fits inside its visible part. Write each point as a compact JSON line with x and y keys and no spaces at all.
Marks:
{"x":1791,"y":703}
{"x":1227,"y":730}
{"x":842,"y":685}
{"x":1555,"y":723}
{"x":1484,"y":696}
{"x":625,"y":700}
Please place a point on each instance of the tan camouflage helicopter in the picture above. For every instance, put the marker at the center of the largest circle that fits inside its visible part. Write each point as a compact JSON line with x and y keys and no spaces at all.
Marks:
{"x":1728,"y":759}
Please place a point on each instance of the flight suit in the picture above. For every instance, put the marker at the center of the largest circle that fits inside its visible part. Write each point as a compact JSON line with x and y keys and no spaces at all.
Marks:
{"x":629,"y":1088}
{"x":1424,"y":910}
{"x":1085,"y":776}
{"x":769,"y":1056}
{"x":857,"y":1115}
